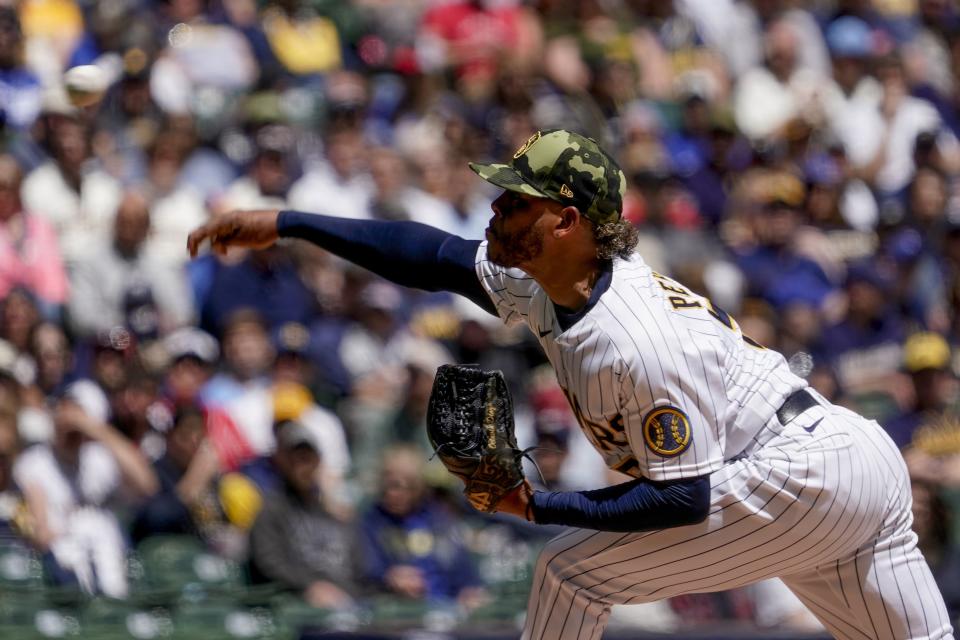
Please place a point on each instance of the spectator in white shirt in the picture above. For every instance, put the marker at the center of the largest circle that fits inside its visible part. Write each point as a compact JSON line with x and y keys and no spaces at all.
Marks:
{"x":69,"y":484}
{"x":767,"y":98}
{"x":881,"y":139}
{"x":118,"y":284}
{"x":72,"y":192}
{"x":339,"y":185}
{"x":176,"y":205}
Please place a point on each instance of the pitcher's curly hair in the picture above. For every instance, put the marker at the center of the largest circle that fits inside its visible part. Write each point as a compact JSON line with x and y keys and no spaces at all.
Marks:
{"x":615,"y":239}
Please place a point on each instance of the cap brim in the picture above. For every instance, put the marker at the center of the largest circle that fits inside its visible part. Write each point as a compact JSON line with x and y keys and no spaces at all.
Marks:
{"x":505,"y":177}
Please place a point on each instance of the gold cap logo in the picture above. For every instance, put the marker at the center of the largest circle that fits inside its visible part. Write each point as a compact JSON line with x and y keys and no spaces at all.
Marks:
{"x":526,"y":145}
{"x":565,"y":191}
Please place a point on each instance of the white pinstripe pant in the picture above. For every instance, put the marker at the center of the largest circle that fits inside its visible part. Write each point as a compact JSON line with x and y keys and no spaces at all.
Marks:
{"x":827,"y":511}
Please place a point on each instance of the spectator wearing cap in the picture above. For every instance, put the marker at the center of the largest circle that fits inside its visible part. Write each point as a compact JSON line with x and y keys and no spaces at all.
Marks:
{"x":293,"y":344}
{"x":295,"y":543}
{"x":927,"y":359}
{"x":72,"y":192}
{"x":724,"y":153}
{"x":774,"y":262}
{"x":837,"y":201}
{"x":193,"y":356}
{"x":852,"y":44}
{"x":69,"y":484}
{"x":920,"y":286}
{"x":293,"y":401}
{"x":411,"y":547}
{"x":689,"y":144}
{"x":186,"y":500}
{"x":29,"y":251}
{"x":120,"y":285}
{"x":242,"y":491}
{"x":864,"y":347}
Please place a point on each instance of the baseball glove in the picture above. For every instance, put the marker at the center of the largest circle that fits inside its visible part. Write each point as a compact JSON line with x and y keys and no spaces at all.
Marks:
{"x":470,"y":425}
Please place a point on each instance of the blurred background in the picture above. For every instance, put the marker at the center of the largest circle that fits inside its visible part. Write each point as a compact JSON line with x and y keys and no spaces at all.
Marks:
{"x":234,"y":447}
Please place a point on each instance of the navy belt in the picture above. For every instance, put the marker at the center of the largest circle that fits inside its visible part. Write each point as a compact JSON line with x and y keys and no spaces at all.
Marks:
{"x":795,"y":404}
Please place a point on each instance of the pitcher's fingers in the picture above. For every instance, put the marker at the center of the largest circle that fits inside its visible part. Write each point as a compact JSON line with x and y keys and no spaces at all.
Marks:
{"x":196,"y":237}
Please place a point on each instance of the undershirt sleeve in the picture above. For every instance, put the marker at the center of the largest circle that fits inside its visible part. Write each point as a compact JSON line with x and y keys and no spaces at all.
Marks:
{"x":638,"y":505}
{"x":407,"y":253}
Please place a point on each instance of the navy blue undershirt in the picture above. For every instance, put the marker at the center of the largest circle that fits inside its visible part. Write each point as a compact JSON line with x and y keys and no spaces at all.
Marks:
{"x":566,"y":318}
{"x":420,"y":256}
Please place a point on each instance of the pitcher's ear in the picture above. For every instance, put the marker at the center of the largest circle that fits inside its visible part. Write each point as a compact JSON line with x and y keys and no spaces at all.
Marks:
{"x":570,"y":219}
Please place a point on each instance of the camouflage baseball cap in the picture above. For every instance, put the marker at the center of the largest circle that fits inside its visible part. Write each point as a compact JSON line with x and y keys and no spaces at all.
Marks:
{"x":566,"y":167}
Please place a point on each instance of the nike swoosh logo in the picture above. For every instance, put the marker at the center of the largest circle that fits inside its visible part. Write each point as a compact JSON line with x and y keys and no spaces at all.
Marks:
{"x":545,"y":333}
{"x":813,"y":426}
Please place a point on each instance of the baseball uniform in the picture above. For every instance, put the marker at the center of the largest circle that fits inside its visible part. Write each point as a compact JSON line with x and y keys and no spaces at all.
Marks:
{"x":666,"y":387}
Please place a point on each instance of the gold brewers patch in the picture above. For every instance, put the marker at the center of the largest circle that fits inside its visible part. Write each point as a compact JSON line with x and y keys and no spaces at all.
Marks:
{"x":666,"y":431}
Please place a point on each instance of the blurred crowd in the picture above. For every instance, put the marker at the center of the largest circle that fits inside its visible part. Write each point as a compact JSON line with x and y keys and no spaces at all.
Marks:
{"x":797,"y":161}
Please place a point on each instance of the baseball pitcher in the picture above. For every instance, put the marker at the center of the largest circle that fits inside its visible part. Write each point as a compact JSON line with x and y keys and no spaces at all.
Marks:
{"x":741,"y":471}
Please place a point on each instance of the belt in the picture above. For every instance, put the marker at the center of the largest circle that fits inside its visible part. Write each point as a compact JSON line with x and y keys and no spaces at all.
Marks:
{"x":795,"y":404}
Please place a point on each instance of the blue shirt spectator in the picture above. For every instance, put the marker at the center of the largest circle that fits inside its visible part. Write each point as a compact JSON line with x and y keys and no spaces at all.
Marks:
{"x":411,"y":546}
{"x":265,"y":281}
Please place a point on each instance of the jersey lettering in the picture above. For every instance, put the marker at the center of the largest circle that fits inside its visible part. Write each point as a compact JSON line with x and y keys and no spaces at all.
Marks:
{"x":680,"y":302}
{"x":687,"y":300}
{"x":607,"y":437}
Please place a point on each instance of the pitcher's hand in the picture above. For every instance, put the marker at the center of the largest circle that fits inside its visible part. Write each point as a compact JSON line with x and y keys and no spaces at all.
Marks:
{"x":251,"y":229}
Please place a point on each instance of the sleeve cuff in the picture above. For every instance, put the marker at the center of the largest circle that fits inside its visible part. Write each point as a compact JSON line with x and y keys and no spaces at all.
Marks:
{"x":286,"y":219}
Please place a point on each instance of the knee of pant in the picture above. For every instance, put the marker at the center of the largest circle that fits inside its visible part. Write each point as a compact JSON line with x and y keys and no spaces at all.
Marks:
{"x":552,"y":562}
{"x":567,"y":570}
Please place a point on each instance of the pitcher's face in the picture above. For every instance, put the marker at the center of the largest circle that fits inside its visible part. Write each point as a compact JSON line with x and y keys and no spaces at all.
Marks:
{"x":513,"y":234}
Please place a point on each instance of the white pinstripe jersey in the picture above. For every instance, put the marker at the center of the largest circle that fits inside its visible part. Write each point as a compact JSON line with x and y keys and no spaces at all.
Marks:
{"x":663,"y":384}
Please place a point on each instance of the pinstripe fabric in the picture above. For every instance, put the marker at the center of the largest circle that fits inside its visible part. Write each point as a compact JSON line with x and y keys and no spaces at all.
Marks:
{"x":635,"y":352}
{"x":828,"y":515}
{"x":827,"y":510}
